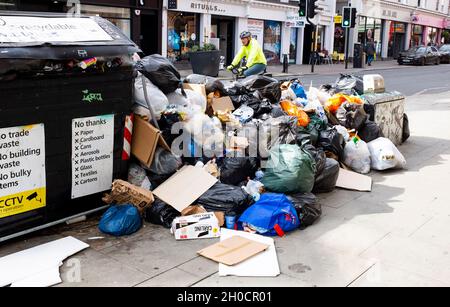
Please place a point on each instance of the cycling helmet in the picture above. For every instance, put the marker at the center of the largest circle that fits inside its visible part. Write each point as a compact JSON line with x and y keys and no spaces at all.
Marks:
{"x":245,"y":34}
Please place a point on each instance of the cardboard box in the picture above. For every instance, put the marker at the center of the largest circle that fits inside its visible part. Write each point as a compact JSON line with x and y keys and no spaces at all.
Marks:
{"x":233,"y":250}
{"x":199,"y":88}
{"x":353,"y":181}
{"x":198,"y":226}
{"x":223,"y":104}
{"x":146,"y":139}
{"x":125,"y":193}
{"x":185,"y":187}
{"x":197,"y":209}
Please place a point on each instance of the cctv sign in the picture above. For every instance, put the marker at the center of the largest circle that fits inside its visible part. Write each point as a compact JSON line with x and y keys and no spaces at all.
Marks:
{"x":22,"y":169}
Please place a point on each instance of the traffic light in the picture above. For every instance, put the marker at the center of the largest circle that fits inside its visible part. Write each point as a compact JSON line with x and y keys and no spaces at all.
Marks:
{"x":354,"y":13}
{"x":312,"y":7}
{"x":302,"y":8}
{"x":347,"y":17}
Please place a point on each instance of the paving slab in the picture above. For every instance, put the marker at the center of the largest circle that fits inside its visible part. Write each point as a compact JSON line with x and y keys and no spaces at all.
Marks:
{"x":156,"y":251}
{"x":383,"y":275}
{"x":90,"y":268}
{"x":412,"y":254}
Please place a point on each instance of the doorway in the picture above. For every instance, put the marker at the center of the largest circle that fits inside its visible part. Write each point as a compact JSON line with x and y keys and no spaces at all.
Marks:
{"x":149,"y":39}
{"x":222,"y":34}
{"x":307,"y":42}
{"x":398,"y":43}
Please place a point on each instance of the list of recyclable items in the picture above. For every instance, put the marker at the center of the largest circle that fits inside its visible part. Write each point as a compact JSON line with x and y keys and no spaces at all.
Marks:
{"x":22,"y":169}
{"x":92,"y":155}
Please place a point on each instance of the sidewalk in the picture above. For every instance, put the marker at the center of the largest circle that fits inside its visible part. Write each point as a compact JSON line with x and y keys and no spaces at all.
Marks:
{"x":325,"y":69}
{"x":398,"y":235}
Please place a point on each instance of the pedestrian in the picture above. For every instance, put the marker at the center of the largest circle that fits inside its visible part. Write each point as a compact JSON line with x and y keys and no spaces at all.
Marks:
{"x":253,"y":54}
{"x":370,"y":51}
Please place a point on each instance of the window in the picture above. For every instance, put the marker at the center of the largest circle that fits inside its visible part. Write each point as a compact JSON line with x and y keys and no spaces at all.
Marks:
{"x":422,"y":50}
{"x":272,"y":41}
{"x":182,"y":35}
{"x":434,"y":49}
{"x":121,"y":17}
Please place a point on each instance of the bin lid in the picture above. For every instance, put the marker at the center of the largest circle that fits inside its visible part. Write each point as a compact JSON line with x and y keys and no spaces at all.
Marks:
{"x":383,"y":97}
{"x":60,"y":36}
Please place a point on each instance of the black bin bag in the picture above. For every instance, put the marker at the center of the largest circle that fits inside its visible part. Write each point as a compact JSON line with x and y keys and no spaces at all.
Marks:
{"x":225,"y":198}
{"x":307,"y":207}
{"x":326,"y":181}
{"x":236,"y":170}
{"x":332,"y":141}
{"x":370,"y":132}
{"x":161,"y":213}
{"x":160,"y":72}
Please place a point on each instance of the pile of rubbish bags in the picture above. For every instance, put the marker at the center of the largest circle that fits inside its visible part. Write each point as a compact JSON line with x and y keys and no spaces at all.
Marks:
{"x":270,"y":144}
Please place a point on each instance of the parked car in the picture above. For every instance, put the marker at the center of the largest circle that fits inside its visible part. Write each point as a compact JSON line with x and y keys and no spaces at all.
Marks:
{"x":421,"y":55}
{"x":445,"y":54}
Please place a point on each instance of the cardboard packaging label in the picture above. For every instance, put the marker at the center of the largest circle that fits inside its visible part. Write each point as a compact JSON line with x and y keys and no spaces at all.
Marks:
{"x":199,"y":226}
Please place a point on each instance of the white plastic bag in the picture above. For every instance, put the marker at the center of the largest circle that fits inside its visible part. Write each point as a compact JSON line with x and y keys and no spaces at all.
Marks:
{"x":204,"y":130}
{"x":322,"y":96}
{"x":385,"y":155}
{"x":357,"y":156}
{"x":288,"y":94}
{"x":343,"y":131}
{"x":177,"y":99}
{"x":157,"y":99}
{"x":193,"y":98}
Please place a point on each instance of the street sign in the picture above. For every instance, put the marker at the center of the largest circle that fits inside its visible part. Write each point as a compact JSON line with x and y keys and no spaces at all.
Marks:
{"x":338,"y":19}
{"x":295,"y":21}
{"x":296,"y":24}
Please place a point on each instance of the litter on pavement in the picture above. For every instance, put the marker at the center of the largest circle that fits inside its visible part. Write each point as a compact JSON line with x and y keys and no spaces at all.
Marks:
{"x":201,"y":153}
{"x":249,"y":154}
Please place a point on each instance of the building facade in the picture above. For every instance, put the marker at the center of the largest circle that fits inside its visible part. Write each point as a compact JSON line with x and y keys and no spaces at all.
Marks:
{"x":187,"y":23}
{"x":397,"y":25}
{"x":141,"y":20}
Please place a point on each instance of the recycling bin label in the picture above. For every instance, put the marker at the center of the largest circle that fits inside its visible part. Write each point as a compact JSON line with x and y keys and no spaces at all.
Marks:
{"x":92,"y":155}
{"x":22,"y":169}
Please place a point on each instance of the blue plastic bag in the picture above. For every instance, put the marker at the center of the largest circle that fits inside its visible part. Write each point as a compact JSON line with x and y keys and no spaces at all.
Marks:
{"x":273,"y":214}
{"x":299,"y":90}
{"x":120,"y":220}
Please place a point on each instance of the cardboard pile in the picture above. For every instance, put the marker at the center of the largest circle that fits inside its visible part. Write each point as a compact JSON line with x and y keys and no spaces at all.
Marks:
{"x":125,"y":193}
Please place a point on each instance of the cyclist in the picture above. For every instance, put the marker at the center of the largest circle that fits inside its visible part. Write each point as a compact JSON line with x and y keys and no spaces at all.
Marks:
{"x":252,"y":52}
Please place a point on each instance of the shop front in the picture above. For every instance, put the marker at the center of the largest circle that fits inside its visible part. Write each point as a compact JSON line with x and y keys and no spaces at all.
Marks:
{"x":432,"y":27}
{"x":397,"y":39}
{"x":139,"y":20}
{"x":387,"y":25}
{"x":183,"y":33}
{"x":417,"y":35}
{"x":371,"y":30}
{"x":221,"y":22}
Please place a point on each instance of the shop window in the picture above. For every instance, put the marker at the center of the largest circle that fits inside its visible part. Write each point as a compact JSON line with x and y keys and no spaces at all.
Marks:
{"x":371,"y":29}
{"x":416,"y":35}
{"x":272,"y":41}
{"x":432,"y":36}
{"x":182,"y":35}
{"x":339,"y":38}
{"x":121,"y":17}
{"x":293,"y":46}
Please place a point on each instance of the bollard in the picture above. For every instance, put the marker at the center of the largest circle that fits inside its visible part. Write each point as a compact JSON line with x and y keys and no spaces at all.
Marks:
{"x":285,"y":63}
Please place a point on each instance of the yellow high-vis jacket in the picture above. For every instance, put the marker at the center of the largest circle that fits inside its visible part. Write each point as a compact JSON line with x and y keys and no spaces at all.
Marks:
{"x":253,"y":53}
